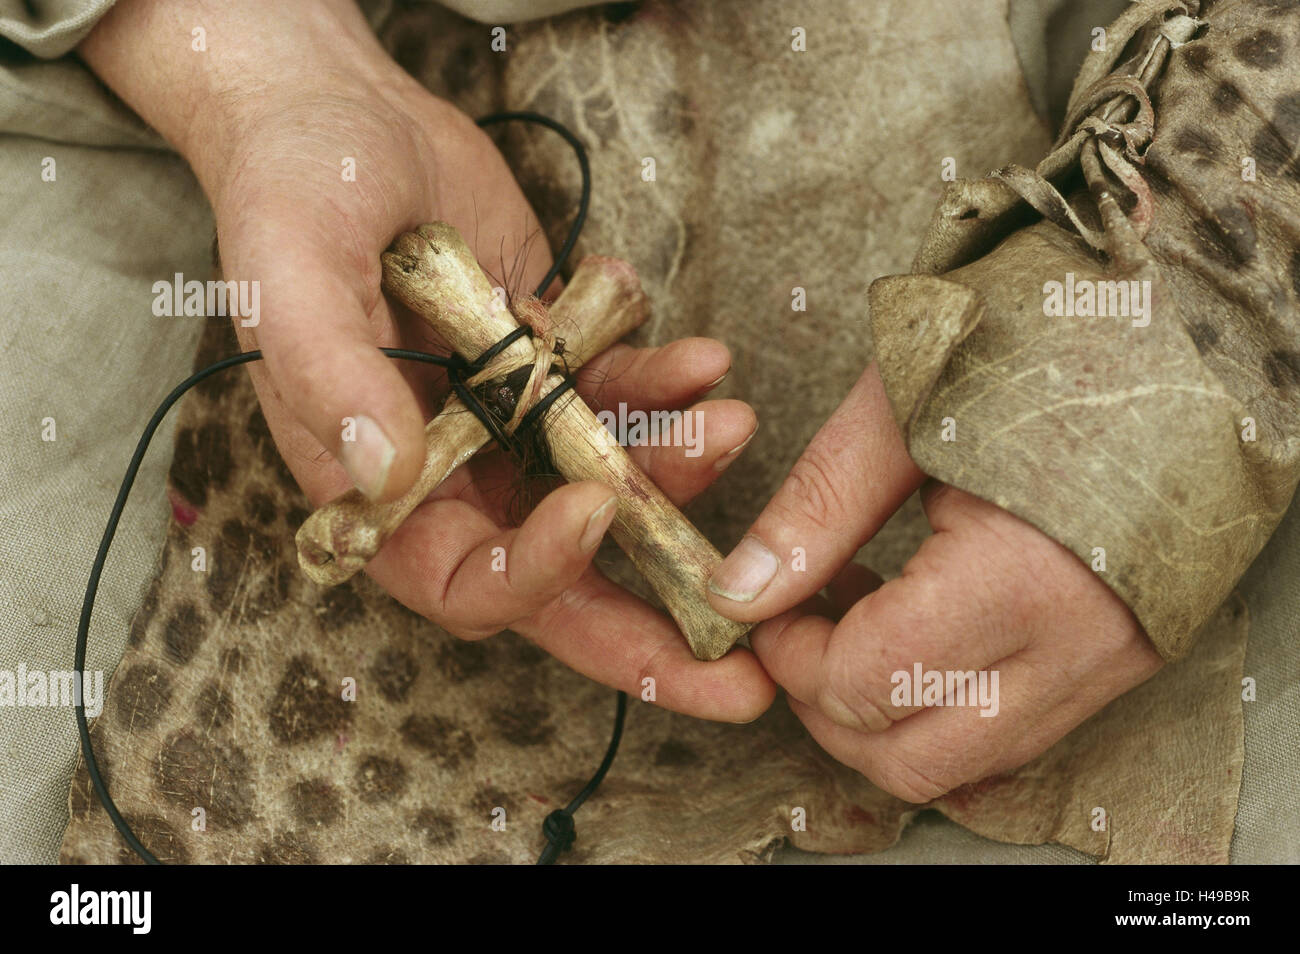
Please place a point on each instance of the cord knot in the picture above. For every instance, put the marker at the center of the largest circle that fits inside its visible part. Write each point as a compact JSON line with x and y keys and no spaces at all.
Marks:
{"x":560,"y":830}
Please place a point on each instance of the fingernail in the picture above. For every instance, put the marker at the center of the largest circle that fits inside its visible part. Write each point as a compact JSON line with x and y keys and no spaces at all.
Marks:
{"x":597,"y":524}
{"x":367,"y":457}
{"x":709,"y":387}
{"x":723,"y":462}
{"x":745,"y":572}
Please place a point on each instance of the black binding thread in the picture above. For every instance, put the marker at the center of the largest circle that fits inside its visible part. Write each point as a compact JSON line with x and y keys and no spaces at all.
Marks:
{"x":459,"y":371}
{"x":558,"y":828}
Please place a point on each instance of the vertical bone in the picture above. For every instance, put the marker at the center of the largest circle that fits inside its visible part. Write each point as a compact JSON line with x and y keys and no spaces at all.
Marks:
{"x":433,"y":272}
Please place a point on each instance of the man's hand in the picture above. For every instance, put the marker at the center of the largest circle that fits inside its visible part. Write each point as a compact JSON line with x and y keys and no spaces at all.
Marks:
{"x":315,"y":150}
{"x":986,"y":591}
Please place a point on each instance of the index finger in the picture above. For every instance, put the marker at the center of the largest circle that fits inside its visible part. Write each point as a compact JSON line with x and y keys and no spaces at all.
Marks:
{"x":854,"y":474}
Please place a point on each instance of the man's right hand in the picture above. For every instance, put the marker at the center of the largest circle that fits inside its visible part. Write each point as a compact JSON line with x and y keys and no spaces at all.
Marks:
{"x":284,"y":101}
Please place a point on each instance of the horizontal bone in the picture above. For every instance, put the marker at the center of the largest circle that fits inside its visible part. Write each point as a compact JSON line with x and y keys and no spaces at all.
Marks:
{"x":602,"y":303}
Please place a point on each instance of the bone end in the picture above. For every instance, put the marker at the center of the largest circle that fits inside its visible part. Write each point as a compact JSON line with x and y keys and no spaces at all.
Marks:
{"x":332,"y":546}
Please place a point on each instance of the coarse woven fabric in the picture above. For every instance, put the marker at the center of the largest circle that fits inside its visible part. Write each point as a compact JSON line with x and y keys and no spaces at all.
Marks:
{"x":49,"y":28}
{"x":81,"y":347}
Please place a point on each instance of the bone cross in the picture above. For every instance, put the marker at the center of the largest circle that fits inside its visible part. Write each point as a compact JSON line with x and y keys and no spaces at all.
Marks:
{"x":434,"y":273}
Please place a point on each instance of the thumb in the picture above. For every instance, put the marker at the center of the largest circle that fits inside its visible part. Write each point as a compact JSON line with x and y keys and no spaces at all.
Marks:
{"x":320,"y":329}
{"x":853,"y":475}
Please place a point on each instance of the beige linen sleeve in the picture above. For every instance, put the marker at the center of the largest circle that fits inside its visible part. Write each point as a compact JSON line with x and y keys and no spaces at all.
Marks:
{"x":49,"y":28}
{"x":95,"y":208}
